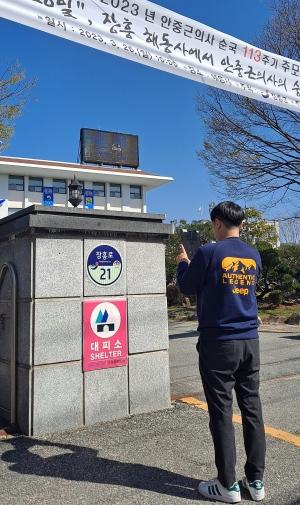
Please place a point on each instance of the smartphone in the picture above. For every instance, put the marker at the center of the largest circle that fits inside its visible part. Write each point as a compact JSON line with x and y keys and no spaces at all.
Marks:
{"x":191,"y":241}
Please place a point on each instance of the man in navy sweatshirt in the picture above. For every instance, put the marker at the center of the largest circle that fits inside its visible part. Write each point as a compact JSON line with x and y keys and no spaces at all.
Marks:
{"x":223,"y":275}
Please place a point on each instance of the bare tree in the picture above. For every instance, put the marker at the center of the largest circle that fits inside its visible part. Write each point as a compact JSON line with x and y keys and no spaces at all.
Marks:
{"x":290,"y":230}
{"x":250,"y":146}
{"x":14,"y":88}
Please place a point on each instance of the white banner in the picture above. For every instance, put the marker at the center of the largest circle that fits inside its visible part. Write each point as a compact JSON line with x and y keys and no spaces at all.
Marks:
{"x":147,"y":33}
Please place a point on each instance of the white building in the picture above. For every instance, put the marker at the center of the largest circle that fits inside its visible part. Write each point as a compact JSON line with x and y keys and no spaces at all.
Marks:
{"x":23,"y":182}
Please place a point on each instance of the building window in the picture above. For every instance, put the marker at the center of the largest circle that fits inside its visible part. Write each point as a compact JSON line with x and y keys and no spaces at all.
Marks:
{"x":59,"y":186}
{"x":16,"y":182}
{"x":115,"y":191}
{"x":11,"y":210}
{"x":99,"y":188}
{"x":136,"y":192}
{"x":35,"y":184}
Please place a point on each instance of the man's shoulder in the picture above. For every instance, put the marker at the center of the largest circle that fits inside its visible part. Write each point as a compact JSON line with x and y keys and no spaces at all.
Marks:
{"x":229,"y":246}
{"x":250,"y":248}
{"x":222,"y":245}
{"x":207,"y":248}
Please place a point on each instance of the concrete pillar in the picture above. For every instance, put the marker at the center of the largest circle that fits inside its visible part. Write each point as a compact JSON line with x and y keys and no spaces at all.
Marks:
{"x":49,"y":248}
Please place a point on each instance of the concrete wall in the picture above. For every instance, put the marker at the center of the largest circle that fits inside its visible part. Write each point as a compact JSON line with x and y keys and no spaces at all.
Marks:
{"x":53,"y":392}
{"x":19,"y":253}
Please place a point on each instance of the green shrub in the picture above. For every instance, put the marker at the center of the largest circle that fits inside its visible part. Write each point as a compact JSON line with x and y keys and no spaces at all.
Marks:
{"x":275,"y":297}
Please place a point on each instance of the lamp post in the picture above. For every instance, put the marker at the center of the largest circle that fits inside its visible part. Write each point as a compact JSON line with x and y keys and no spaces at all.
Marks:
{"x":75,"y":192}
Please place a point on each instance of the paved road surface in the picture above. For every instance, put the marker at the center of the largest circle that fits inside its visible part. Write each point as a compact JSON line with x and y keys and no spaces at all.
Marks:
{"x":280,"y":374}
{"x":157,"y":458}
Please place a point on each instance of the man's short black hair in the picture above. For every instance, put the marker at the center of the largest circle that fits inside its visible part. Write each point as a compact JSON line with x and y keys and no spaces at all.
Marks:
{"x":229,"y":213}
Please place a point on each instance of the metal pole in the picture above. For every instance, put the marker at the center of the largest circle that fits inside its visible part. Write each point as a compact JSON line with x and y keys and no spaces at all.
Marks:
{"x":9,"y":267}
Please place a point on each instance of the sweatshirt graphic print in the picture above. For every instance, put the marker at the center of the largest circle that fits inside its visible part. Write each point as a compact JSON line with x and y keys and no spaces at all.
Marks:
{"x":224,"y":277}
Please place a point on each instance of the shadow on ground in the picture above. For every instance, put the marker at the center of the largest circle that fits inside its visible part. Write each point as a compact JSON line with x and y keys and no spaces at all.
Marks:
{"x":186,"y":334}
{"x":292,"y":337}
{"x":83,"y":464}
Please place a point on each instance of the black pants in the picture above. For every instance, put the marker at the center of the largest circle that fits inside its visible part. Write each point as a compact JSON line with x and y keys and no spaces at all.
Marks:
{"x":224,"y":365}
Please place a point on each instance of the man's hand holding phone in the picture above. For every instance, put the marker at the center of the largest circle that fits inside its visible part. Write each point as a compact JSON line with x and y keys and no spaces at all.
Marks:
{"x":182,"y":256}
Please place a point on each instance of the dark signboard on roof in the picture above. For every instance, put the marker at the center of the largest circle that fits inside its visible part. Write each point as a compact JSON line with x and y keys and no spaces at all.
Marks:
{"x":109,"y":148}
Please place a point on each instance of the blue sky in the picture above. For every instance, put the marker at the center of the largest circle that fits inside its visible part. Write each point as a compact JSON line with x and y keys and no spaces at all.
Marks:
{"x":81,"y":87}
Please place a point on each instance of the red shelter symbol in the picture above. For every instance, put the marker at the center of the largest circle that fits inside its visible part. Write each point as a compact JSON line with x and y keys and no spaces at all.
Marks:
{"x":104,"y":334}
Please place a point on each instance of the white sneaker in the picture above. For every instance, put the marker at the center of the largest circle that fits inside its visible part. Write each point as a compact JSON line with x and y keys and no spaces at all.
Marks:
{"x":255,"y":488}
{"x":214,"y":490}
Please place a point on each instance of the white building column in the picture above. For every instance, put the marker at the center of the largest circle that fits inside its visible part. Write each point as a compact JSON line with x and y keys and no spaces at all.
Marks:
{"x":67,"y":195}
{"x":26,"y":202}
{"x":4,"y":195}
{"x":144,"y":202}
{"x":125,"y":197}
{"x":107,"y":195}
{"x":85,"y":184}
{"x":47,"y":182}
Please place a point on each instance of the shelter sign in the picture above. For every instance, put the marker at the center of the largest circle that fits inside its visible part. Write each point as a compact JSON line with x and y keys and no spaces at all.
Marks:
{"x":104,"y":334}
{"x":147,"y":33}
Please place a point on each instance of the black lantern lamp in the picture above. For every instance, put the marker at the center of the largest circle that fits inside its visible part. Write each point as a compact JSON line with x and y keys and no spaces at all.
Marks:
{"x":75,"y":192}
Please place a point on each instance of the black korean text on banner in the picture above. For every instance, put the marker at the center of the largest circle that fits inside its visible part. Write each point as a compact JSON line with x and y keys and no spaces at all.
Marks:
{"x":147,"y":33}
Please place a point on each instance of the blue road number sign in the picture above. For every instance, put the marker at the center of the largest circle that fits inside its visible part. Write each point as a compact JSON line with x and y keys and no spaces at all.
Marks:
{"x":104,"y":265}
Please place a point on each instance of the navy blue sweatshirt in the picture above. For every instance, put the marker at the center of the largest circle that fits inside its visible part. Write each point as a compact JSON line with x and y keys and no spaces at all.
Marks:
{"x":223,"y":276}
